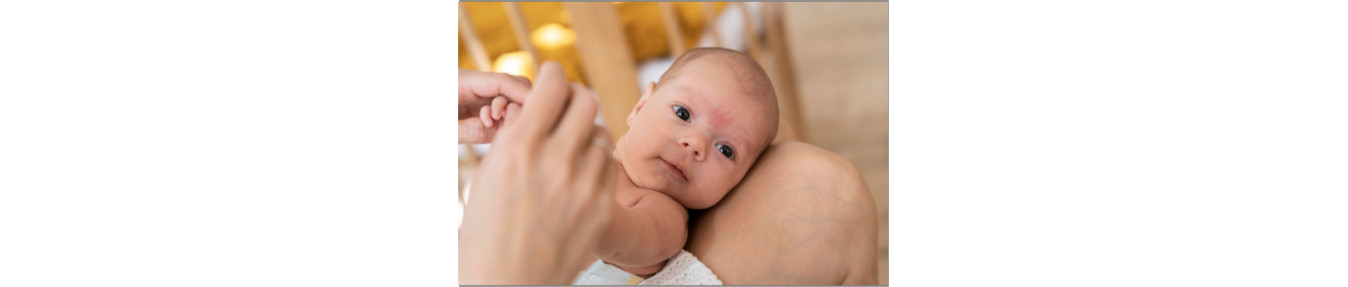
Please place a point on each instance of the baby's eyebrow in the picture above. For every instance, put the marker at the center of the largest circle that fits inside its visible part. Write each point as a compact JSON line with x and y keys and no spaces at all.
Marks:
{"x":736,"y":139}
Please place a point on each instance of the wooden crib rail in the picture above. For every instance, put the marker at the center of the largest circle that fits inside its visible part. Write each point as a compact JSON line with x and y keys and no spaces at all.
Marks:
{"x":610,"y":69}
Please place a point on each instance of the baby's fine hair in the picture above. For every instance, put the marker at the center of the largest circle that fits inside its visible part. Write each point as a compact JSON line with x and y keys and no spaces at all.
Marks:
{"x":754,"y":79}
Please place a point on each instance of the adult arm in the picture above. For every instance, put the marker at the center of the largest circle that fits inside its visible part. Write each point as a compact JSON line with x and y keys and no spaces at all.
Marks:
{"x":802,"y":215}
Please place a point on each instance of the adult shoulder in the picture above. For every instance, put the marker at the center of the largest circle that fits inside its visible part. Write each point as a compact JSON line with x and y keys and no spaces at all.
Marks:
{"x":802,"y":215}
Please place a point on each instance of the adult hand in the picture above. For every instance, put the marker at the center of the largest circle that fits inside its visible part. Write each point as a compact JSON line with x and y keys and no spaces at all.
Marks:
{"x":476,"y":92}
{"x":541,"y":196}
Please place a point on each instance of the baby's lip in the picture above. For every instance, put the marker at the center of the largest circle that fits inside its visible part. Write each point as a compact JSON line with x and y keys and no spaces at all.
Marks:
{"x":676,"y":169}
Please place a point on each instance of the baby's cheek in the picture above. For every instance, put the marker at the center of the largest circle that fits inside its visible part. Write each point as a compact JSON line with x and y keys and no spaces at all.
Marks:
{"x":638,"y":142}
{"x":725,"y":181}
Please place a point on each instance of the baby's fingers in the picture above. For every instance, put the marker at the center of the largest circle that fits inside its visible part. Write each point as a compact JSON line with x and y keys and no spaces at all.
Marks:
{"x":498,"y":106}
{"x":486,"y":116}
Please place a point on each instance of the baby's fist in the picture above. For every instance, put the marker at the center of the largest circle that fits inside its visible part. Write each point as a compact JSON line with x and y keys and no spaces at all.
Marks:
{"x":494,"y":112}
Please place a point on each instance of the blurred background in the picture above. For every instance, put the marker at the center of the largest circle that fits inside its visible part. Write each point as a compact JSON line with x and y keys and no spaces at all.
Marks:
{"x":828,"y":62}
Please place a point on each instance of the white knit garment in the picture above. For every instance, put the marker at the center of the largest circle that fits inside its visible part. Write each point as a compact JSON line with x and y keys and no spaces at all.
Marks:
{"x":683,"y":269}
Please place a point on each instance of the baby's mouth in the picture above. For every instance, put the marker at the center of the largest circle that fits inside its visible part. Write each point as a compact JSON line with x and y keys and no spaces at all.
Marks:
{"x":674,"y":169}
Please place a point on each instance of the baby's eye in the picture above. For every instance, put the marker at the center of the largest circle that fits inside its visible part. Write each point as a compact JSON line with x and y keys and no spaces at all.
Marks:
{"x":682,"y":112}
{"x":726,"y":150}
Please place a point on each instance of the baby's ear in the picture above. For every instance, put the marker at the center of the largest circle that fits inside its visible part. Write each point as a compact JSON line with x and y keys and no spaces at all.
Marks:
{"x":650,"y":89}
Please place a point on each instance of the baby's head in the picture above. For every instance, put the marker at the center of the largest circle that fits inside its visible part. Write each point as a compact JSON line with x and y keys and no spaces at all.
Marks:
{"x":694,"y":135}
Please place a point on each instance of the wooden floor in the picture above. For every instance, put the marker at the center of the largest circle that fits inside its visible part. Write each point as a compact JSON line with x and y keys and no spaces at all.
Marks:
{"x":841,"y":55}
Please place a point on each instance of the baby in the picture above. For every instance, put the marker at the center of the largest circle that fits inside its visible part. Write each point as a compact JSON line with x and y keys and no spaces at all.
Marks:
{"x":693,"y":137}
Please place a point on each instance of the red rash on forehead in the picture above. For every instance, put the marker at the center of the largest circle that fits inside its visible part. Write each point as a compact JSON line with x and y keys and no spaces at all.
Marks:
{"x":717,"y":114}
{"x":718,"y":120}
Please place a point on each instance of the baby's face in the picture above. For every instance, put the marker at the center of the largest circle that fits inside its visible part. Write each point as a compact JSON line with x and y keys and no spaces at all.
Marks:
{"x":695,"y":137}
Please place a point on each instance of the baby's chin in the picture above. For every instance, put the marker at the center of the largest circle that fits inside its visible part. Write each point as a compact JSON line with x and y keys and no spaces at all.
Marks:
{"x":659,"y":182}
{"x":639,"y":177}
{"x":652,"y":182}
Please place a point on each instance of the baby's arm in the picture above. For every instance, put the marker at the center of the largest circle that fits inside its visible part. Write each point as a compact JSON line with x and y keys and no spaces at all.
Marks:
{"x":646,"y":228}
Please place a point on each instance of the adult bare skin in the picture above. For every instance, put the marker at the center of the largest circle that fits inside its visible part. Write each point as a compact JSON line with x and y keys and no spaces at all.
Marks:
{"x":542,"y":195}
{"x":477,"y":91}
{"x":803,"y":215}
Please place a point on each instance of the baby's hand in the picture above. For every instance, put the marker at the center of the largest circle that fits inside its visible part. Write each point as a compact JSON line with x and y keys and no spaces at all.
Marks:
{"x":494,"y":112}
{"x":506,"y":115}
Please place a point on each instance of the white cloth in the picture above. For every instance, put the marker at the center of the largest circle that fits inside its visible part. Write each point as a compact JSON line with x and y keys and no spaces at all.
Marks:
{"x":601,"y":273}
{"x":682,"y":269}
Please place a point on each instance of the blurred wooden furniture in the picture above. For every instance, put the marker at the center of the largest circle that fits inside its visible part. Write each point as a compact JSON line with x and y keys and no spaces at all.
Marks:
{"x":860,"y":107}
{"x":604,"y":54}
{"x":609,"y":66}
{"x":783,"y":73}
{"x":607,"y":61}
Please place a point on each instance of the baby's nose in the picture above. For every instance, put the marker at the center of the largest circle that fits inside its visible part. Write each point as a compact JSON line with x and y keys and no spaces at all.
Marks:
{"x":694,"y":145}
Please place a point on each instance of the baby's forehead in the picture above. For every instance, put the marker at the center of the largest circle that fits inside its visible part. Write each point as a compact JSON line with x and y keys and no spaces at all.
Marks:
{"x":738,"y":115}
{"x":727,"y":84}
{"x":724,"y":79}
{"x":733,"y":102}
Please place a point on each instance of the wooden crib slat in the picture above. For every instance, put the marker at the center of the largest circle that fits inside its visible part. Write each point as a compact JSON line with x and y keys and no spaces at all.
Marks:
{"x":606,"y":60}
{"x":750,"y":35}
{"x":475,"y":49}
{"x":784,"y":71}
{"x":672,"y":30}
{"x":521,"y":31}
{"x":709,"y":9}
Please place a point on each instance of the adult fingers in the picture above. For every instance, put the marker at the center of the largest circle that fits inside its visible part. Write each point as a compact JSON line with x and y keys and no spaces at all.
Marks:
{"x":577,"y":127}
{"x":474,"y":85}
{"x":604,"y":174}
{"x":597,"y":169}
{"x":596,"y":160}
{"x":524,"y":80}
{"x":545,"y":102}
{"x":510,"y":115}
{"x":470,"y":109}
{"x":472,"y":130}
{"x":603,"y":139}
{"x":596,"y":177}
{"x":602,"y":142}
